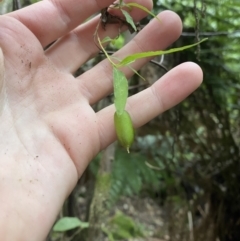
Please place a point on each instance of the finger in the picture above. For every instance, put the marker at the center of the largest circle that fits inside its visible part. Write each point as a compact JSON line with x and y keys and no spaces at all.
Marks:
{"x":80,"y":44}
{"x":167,"y":92}
{"x":154,"y":36}
{"x":50,"y":20}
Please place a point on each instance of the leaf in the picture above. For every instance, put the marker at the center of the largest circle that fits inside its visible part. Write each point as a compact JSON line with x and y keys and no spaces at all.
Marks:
{"x":120,"y":86}
{"x":124,"y":227}
{"x":131,"y":58}
{"x":129,"y":19}
{"x":68,"y":223}
{"x":143,"y":8}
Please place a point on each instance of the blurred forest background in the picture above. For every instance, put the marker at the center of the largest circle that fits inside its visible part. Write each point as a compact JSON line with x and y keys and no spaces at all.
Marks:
{"x":181,"y":180}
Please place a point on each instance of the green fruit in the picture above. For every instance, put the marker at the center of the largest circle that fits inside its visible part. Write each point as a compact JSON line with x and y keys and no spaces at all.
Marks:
{"x":124,"y":129}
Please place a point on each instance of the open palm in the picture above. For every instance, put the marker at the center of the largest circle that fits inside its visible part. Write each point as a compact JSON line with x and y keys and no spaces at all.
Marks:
{"x":49,"y":132}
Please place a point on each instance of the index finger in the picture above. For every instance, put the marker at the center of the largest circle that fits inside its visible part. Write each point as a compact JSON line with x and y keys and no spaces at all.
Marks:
{"x":50,"y":20}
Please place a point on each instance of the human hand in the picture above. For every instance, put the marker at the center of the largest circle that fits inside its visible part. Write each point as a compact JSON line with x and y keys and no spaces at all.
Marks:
{"x":49,"y":132}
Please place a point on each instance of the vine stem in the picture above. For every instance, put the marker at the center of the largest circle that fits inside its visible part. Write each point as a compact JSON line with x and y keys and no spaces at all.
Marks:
{"x":105,"y":52}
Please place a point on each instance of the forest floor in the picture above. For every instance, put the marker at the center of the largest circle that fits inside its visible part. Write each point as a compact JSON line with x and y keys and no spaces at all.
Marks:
{"x":143,"y":212}
{"x":146,"y":212}
{"x":142,"y":218}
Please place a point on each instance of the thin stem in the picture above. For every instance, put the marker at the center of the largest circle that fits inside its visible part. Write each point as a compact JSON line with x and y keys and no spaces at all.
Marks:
{"x":104,"y":51}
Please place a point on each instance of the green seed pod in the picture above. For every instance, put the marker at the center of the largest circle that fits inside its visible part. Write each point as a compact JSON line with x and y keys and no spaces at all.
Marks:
{"x":124,"y":129}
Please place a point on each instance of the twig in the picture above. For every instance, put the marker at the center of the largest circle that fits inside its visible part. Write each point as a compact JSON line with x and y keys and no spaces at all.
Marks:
{"x":137,"y":86}
{"x":153,"y":167}
{"x":16,"y":4}
{"x":196,"y":27}
{"x":190,"y":225}
{"x":209,"y":34}
{"x":74,"y":234}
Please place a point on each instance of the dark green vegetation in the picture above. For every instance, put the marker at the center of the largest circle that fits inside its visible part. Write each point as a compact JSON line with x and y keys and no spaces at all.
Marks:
{"x":186,"y":161}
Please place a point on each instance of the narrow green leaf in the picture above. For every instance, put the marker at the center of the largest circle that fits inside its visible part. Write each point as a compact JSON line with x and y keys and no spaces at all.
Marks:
{"x":143,"y":8}
{"x":129,"y":19}
{"x":131,"y":58}
{"x":120,"y":86}
{"x":67,"y":223}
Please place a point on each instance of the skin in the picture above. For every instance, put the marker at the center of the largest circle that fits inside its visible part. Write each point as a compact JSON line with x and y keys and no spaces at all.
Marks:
{"x":49,"y":132}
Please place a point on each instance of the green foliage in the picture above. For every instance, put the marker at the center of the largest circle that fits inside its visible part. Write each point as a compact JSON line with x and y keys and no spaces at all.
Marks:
{"x":122,"y":227}
{"x":207,"y":140}
{"x":130,"y":175}
{"x":129,"y":19}
{"x":68,"y":223}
